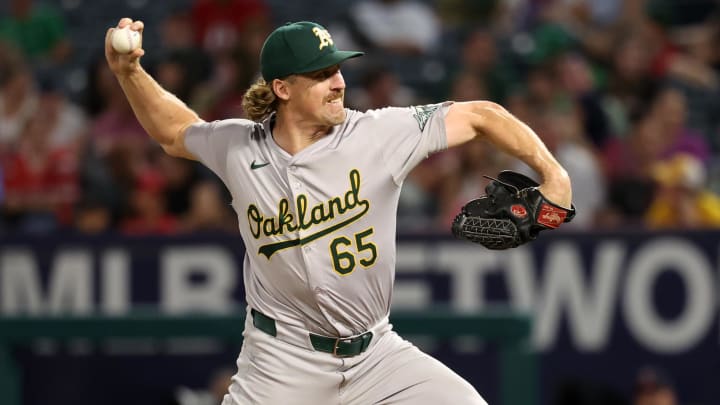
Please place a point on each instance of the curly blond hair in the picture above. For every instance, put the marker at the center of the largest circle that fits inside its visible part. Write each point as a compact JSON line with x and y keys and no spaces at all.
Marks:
{"x":259,"y":101}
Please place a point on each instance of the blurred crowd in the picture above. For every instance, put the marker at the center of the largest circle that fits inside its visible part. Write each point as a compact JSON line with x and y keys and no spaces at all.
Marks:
{"x":624,"y":93}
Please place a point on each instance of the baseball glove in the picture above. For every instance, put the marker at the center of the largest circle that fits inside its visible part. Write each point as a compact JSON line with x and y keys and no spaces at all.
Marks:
{"x":512,"y":213}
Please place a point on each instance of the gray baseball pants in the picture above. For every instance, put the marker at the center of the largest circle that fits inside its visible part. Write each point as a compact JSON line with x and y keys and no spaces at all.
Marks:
{"x":272,"y":371}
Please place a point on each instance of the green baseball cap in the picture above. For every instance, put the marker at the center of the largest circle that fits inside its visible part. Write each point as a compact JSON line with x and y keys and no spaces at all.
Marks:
{"x":299,"y":47}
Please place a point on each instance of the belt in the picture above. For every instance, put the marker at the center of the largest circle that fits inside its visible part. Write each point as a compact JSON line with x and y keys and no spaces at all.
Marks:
{"x":338,"y":347}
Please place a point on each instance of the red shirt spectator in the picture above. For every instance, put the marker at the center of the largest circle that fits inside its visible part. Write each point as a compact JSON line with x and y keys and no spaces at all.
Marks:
{"x":150,"y":216}
{"x":42,"y":183}
{"x":219,"y":24}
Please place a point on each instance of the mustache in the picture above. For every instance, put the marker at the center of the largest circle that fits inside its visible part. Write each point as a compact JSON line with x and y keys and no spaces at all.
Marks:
{"x":338,"y":95}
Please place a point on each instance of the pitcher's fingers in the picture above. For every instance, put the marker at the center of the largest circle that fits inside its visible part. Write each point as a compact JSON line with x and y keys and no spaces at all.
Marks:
{"x":138,"y":26}
{"x":124,"y":21}
{"x":108,"y":40}
{"x":136,"y":54}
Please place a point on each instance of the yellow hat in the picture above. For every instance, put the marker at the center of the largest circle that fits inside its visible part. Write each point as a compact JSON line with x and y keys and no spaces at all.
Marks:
{"x":681,"y":169}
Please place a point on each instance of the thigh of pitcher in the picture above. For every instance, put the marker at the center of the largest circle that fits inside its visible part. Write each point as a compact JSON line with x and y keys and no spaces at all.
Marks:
{"x":399,"y":373}
{"x":273,"y":372}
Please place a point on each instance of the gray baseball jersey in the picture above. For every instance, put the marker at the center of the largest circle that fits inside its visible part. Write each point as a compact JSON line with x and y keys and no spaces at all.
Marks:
{"x":319,"y":226}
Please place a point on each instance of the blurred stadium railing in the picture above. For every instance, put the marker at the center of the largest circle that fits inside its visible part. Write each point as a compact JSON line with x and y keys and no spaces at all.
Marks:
{"x":509,"y":330}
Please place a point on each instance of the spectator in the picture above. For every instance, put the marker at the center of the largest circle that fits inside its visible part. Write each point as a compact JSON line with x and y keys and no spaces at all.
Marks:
{"x":422,"y":197}
{"x":116,"y":149}
{"x":92,"y":217}
{"x":115,"y":179}
{"x":221,"y":96}
{"x":18,"y":96}
{"x":113,"y":123}
{"x":682,"y":200}
{"x":233,"y":70}
{"x":480,"y":56}
{"x":654,"y":387}
{"x":463,"y":14}
{"x":405,"y":27}
{"x":695,"y":54}
{"x":693,"y":75}
{"x":544,"y":92}
{"x":38,"y":30}
{"x":208,"y":212}
{"x":222,"y":25}
{"x":148,"y":215}
{"x":545,"y":43}
{"x":40,"y":181}
{"x":474,"y":161}
{"x":381,"y":88}
{"x":645,"y":74}
{"x":175,"y":72}
{"x":593,"y":23}
{"x":669,"y":108}
{"x":575,"y":76}
{"x":67,"y":120}
{"x":466,"y":85}
{"x":627,"y":166}
{"x":631,"y":84}
{"x":181,"y":176}
{"x":193,"y":196}
{"x":182,"y":65}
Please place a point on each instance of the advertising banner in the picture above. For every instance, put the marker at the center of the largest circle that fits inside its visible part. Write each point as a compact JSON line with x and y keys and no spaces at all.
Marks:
{"x":603,"y":305}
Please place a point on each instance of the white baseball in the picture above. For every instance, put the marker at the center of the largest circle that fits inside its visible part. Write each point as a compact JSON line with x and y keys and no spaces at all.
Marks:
{"x":125,"y":40}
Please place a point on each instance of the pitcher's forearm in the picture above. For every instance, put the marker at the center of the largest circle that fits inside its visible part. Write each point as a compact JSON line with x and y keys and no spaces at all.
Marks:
{"x":517,"y":139}
{"x":488,"y":120}
{"x":164,"y":116}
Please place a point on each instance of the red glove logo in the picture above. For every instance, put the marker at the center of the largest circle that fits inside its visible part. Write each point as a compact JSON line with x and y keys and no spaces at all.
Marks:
{"x":518,"y":211}
{"x":551,"y":216}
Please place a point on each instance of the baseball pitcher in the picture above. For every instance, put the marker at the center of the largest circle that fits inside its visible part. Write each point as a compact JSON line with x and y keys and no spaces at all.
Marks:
{"x":316,"y":187}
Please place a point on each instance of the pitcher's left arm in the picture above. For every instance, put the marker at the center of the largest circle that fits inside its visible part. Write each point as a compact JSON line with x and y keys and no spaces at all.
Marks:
{"x":467,"y":120}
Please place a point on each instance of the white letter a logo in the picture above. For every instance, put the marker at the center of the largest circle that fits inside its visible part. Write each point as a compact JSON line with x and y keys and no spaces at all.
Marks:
{"x":324,"y":37}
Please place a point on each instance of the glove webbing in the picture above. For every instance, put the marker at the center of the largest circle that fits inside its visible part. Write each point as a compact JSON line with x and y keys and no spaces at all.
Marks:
{"x":491,"y":233}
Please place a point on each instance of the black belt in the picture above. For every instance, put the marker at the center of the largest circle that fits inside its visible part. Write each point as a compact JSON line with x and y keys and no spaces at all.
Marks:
{"x":339,"y":347}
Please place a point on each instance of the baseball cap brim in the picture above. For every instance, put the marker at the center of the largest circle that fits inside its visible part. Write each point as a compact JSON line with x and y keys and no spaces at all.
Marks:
{"x":328,"y":60}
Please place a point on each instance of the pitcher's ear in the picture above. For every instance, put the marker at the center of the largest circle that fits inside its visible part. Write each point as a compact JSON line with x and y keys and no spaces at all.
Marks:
{"x":281,"y":88}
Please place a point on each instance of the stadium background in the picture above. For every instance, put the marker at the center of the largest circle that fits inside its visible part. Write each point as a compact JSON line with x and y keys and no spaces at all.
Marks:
{"x":625,"y":93}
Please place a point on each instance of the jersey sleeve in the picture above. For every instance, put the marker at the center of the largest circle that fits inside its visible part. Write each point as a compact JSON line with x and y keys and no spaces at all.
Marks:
{"x":211,"y":141}
{"x":410,"y":135}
